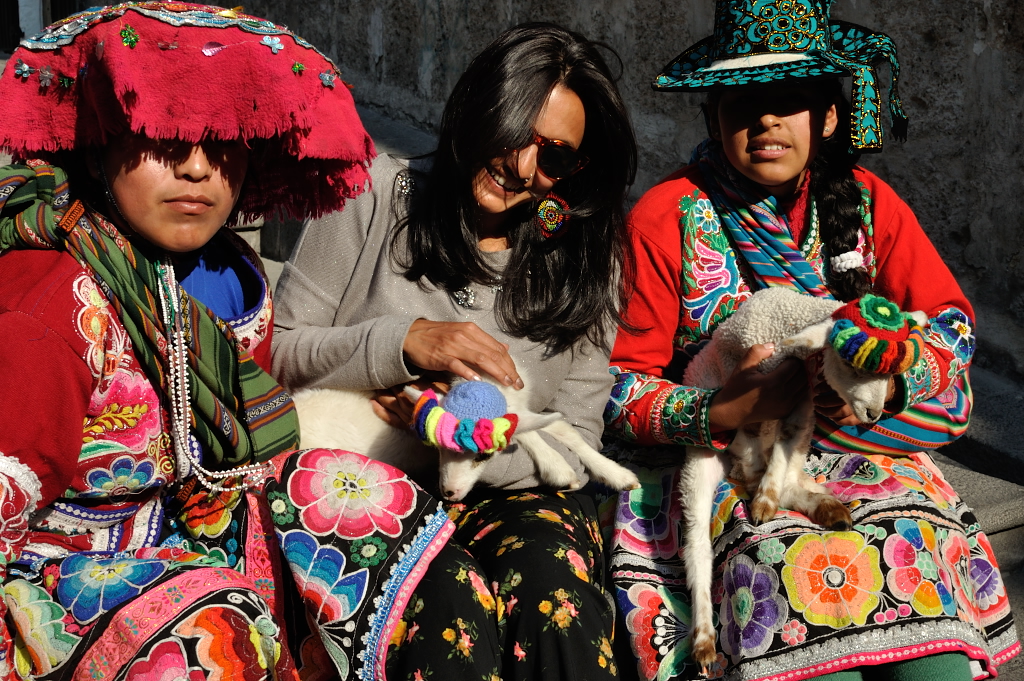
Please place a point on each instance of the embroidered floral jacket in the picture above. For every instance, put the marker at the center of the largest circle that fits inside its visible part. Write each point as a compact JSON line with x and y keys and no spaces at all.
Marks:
{"x":87,"y":472}
{"x":689,"y":279}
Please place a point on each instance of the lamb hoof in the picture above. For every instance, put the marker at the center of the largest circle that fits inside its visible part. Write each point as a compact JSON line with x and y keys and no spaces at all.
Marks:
{"x":704,"y":653}
{"x":763,"y":509}
{"x":614,"y":475}
{"x":574,"y":485}
{"x":561,"y":478}
{"x":831,"y":513}
{"x":627,"y":480}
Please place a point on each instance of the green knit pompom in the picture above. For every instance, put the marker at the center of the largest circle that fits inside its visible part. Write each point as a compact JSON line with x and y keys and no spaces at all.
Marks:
{"x":880,"y":313}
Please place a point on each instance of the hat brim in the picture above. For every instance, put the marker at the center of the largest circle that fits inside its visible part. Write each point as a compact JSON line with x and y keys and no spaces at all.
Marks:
{"x":692,"y":70}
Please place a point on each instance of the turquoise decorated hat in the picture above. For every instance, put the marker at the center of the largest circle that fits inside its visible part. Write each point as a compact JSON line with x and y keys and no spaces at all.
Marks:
{"x":773,"y":41}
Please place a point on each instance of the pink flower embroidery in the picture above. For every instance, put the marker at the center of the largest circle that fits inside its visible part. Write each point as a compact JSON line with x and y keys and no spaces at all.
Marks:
{"x":710,"y":270}
{"x":165,"y":663}
{"x":349,"y":494}
{"x":793,"y":632}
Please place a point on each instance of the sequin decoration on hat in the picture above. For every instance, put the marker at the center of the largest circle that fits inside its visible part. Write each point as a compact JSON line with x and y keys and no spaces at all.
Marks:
{"x":872,"y":334}
{"x":189,"y":71}
{"x":470,"y":419}
{"x":771,"y":41}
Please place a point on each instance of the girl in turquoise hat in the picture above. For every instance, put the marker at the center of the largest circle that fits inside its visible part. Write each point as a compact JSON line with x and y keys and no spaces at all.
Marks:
{"x":774,"y":197}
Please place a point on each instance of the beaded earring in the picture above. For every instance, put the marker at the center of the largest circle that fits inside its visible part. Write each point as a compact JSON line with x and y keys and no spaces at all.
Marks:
{"x":552,"y":214}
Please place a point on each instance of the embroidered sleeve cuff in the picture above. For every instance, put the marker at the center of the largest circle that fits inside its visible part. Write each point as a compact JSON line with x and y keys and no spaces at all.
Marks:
{"x":679,"y":415}
{"x":923,"y":380}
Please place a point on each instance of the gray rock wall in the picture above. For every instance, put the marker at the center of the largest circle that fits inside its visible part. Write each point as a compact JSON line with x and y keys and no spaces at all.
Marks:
{"x":962,"y":82}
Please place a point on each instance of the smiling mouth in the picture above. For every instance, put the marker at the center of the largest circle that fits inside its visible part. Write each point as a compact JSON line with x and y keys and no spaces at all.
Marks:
{"x":767,"y":149}
{"x":505,"y":183}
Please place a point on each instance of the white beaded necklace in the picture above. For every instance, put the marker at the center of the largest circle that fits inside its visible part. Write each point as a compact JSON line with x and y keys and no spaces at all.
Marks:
{"x":186,"y":450}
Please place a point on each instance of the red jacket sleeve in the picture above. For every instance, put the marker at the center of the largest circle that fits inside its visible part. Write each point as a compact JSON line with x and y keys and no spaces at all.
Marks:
{"x":45,"y":386}
{"x":910,"y":272}
{"x":647,"y":405}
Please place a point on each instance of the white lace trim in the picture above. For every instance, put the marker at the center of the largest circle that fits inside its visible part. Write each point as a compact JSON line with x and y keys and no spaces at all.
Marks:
{"x":25,"y":478}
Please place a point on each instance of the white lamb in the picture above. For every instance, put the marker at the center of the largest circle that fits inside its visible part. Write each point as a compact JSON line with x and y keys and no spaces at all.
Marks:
{"x":768,"y":457}
{"x":343,"y":419}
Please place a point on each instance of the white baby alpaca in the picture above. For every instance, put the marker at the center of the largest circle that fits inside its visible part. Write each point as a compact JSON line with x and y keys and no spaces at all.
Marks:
{"x":768,"y":457}
{"x":343,"y":419}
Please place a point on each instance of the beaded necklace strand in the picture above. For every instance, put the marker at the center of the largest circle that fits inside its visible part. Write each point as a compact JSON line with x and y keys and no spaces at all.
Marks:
{"x":188,"y":456}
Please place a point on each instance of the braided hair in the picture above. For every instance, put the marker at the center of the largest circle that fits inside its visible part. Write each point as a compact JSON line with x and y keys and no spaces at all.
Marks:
{"x":838,"y":197}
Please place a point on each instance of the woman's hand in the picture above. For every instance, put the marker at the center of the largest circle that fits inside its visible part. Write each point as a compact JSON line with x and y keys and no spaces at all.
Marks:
{"x":395,"y":408}
{"x":461,"y":348}
{"x":751,"y":397}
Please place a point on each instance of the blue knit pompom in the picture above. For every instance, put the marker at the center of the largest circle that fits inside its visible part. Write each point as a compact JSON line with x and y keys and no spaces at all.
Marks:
{"x":475,"y":400}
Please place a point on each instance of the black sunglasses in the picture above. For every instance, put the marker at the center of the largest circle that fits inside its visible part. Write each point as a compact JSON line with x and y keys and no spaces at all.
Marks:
{"x":557,"y":159}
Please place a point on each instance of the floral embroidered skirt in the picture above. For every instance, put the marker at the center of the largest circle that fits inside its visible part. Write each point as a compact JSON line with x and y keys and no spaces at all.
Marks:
{"x":537,"y":608}
{"x":214,"y":599}
{"x":916,"y":576}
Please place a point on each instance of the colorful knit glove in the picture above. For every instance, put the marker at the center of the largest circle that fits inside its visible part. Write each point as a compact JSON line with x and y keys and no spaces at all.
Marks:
{"x":873,"y":335}
{"x":470,"y":419}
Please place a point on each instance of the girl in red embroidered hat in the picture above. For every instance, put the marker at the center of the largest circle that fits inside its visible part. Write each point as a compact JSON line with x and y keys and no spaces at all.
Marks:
{"x":157,"y":522}
{"x":774,"y":198}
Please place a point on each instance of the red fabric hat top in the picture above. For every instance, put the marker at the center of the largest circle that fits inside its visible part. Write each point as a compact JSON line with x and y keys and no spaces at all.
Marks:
{"x":187,"y":71}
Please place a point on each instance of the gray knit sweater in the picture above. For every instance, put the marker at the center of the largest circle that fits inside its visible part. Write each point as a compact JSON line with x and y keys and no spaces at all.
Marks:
{"x":342,"y":311}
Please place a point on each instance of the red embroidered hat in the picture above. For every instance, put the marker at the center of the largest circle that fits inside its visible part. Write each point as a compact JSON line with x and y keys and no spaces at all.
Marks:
{"x":188,"y":71}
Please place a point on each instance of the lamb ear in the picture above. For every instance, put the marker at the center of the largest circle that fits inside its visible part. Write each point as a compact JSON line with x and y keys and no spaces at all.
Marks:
{"x":808,"y":341}
{"x":412,"y":393}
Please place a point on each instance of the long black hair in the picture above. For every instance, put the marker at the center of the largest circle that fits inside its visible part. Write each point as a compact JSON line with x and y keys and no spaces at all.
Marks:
{"x":835,"y":190}
{"x":554,"y":291}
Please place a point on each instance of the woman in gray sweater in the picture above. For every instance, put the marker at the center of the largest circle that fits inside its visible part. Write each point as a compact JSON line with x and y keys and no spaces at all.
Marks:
{"x":507,"y":243}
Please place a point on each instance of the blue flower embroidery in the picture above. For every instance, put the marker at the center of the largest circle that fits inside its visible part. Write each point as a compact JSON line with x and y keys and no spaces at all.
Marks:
{"x":327,"y":78}
{"x":953,"y":330}
{"x":125,"y":476}
{"x":318,"y":571}
{"x":704,"y":216}
{"x":90,"y":587}
{"x":274,"y":43}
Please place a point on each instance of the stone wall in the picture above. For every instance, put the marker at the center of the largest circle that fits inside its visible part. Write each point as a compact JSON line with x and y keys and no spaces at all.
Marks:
{"x":962,"y":82}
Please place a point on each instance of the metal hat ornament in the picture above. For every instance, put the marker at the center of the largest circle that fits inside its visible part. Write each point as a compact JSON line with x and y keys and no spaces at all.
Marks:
{"x":187,"y":71}
{"x":771,"y":41}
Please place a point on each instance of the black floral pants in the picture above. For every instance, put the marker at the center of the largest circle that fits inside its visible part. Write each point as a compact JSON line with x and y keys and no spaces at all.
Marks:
{"x":516,"y":594}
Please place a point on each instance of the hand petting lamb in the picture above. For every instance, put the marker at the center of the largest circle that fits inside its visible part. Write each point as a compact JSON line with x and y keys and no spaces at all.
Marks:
{"x":468,"y":426}
{"x":865,"y":341}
